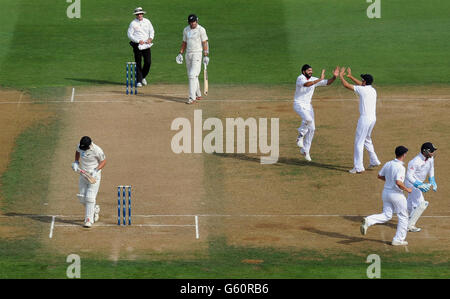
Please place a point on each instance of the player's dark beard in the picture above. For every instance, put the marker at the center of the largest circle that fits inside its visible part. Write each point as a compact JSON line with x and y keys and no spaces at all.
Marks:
{"x":306,"y":75}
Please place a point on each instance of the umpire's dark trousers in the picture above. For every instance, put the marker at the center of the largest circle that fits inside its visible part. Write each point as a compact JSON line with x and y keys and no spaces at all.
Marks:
{"x":141,"y":71}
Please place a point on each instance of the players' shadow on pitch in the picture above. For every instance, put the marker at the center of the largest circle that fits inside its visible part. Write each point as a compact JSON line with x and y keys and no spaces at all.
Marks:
{"x":45,"y":218}
{"x":287,"y":161}
{"x":358,"y":219}
{"x":344,"y":239}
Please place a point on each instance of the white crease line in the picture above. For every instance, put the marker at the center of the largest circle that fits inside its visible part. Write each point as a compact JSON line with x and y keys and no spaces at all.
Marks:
{"x":133,"y":225}
{"x":217,"y":215}
{"x":197,"y":236}
{"x":52,"y":226}
{"x":73,"y":94}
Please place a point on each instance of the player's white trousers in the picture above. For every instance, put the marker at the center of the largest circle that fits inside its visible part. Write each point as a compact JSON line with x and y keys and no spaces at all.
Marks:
{"x":414,"y":199}
{"x":87,"y":194}
{"x":194,"y":66}
{"x":393,"y":202}
{"x":308,"y":126}
{"x":363,"y":140}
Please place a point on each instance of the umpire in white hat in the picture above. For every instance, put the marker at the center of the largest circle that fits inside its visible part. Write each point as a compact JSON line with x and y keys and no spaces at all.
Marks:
{"x":141,"y":34}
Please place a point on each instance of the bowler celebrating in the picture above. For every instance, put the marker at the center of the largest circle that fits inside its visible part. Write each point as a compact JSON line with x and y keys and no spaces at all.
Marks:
{"x":367,"y":119}
{"x":304,"y":91}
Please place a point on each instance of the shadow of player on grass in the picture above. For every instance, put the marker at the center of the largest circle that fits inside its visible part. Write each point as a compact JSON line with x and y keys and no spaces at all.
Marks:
{"x":46,"y":218}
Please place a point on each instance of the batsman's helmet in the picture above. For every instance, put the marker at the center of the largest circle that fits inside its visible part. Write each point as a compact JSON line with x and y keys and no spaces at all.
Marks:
{"x":427,"y":148}
{"x":85,"y":143}
{"x":192,"y":18}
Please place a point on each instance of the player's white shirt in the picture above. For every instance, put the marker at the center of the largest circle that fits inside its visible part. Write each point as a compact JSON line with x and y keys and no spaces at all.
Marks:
{"x":194,"y":38}
{"x":91,"y":158}
{"x":393,"y":171}
{"x":304,"y":94}
{"x":418,"y":169}
{"x":140,"y":30}
{"x":367,"y":100}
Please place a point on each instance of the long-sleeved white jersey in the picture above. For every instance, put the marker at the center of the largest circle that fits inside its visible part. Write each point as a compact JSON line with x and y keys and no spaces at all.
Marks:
{"x":418,"y":169}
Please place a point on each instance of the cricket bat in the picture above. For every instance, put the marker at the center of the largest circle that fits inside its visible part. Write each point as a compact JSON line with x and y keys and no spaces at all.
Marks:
{"x":205,"y":80}
{"x":87,"y":176}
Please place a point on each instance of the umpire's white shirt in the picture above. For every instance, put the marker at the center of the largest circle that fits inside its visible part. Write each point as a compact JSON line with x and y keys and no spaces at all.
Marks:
{"x":140,"y":30}
{"x":304,"y":94}
{"x":194,"y":38}
{"x":418,"y":169}
{"x":367,"y":100}
{"x":393,"y":171}
{"x":91,"y":158}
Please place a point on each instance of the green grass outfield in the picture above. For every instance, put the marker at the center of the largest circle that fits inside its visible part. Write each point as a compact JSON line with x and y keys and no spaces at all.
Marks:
{"x":252,"y":42}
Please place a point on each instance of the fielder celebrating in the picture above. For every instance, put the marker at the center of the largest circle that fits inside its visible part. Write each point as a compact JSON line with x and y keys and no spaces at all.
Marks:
{"x":304,"y":91}
{"x":418,"y":169}
{"x":367,"y":109}
{"x":194,"y":42}
{"x":89,"y":157}
{"x":141,"y":34}
{"x":394,"y":201}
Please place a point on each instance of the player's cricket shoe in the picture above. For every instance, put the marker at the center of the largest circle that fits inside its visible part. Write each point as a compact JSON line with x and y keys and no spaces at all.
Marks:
{"x":139,"y":84}
{"x":399,"y":243}
{"x":96,"y":213}
{"x":364,"y":226}
{"x":307,"y":156}
{"x":414,"y":229}
{"x":144,"y":82}
{"x":355,"y":171}
{"x":300,"y":141}
{"x":374,"y":165}
{"x":190,"y":101}
{"x":87,"y":223}
{"x":198,"y":98}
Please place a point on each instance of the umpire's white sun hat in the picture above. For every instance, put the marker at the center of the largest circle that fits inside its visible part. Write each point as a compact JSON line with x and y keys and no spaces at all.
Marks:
{"x":139,"y":11}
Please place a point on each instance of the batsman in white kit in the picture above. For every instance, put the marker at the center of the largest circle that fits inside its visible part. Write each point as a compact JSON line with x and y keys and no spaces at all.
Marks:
{"x":418,"y":169}
{"x":195,"y":41}
{"x":90,"y":159}
{"x":394,"y":201}
{"x":367,"y":119}
{"x":304,"y":90}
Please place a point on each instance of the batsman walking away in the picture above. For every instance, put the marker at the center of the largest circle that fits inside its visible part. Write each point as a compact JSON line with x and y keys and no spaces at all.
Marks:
{"x":195,"y":41}
{"x":89,"y":158}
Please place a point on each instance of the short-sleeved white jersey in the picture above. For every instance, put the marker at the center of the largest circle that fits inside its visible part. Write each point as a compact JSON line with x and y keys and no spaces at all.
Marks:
{"x":393,"y":171}
{"x":367,"y":100}
{"x":304,"y":94}
{"x":194,"y":38}
{"x":418,"y":169}
{"x":91,"y":158}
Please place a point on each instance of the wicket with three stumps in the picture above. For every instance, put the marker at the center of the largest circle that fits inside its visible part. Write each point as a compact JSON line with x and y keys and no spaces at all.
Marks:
{"x":131,"y":74}
{"x":121,"y":197}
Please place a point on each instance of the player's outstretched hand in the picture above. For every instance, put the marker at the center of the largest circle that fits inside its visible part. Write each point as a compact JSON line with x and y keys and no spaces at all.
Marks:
{"x":342,"y":71}
{"x":322,"y":76}
{"x":349,"y":72}
{"x":336,"y":71}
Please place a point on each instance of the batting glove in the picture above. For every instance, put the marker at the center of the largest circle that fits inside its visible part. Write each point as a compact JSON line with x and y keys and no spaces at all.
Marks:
{"x":179,"y":59}
{"x":75,"y":166}
{"x":206,"y":60}
{"x":433,"y":183}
